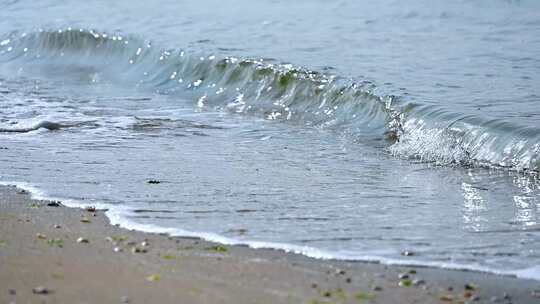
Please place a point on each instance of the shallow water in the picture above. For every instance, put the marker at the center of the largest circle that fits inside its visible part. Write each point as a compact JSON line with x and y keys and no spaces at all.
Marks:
{"x":339,"y":130}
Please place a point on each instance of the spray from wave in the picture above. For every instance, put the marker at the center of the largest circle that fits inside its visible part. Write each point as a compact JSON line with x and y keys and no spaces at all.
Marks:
{"x":280,"y":92}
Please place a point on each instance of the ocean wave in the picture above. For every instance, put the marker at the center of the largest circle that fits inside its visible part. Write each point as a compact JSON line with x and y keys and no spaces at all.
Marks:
{"x":283,"y":92}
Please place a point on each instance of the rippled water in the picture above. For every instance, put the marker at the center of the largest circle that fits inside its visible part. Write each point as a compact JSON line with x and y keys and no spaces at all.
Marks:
{"x":351,"y":130}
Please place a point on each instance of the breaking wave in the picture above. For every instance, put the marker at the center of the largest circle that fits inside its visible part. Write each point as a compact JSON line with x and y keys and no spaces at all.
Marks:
{"x":280,"y":92}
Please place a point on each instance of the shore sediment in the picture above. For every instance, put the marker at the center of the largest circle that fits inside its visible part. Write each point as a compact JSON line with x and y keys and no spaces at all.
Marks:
{"x":53,"y":254}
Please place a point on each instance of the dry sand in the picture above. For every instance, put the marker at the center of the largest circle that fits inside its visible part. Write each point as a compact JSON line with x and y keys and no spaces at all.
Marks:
{"x":39,"y":248}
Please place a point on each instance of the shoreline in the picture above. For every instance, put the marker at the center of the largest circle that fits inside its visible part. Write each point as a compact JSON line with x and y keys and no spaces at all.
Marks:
{"x":77,"y":256}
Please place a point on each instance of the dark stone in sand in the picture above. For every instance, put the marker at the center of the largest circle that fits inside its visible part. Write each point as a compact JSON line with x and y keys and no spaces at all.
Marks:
{"x":407,"y":253}
{"x":154,"y":181}
{"x":377,"y":288}
{"x":403,"y":276}
{"x":40,"y":290}
{"x":348,"y":280}
{"x":53,"y":204}
{"x":12,"y":292}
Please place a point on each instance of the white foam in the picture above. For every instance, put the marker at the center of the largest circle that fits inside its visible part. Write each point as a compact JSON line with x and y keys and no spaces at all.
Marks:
{"x":117,"y":216}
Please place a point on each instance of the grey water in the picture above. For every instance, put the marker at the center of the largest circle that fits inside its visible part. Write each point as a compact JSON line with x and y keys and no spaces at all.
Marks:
{"x":351,"y":130}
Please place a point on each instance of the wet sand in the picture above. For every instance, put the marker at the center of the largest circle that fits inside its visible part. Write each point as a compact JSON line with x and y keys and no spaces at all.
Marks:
{"x":55,"y":254}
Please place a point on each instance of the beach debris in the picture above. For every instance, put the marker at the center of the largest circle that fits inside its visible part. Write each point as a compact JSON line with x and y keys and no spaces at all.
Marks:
{"x":40,"y":290}
{"x":405,"y":283}
{"x":153,"y":278}
{"x":217,"y":248}
{"x":84,"y":219}
{"x":470,"y":286}
{"x":361,"y":296}
{"x":41,"y":236}
{"x":124,"y":299}
{"x":83,"y":240}
{"x":54,"y":204}
{"x":154,"y":181}
{"x":90,"y":209}
{"x":407,"y":253}
{"x":56,"y":242}
{"x":138,"y":250}
{"x":377,"y":288}
{"x":117,"y":249}
{"x":446,"y":298}
{"x":168,"y":257}
{"x":56,"y":226}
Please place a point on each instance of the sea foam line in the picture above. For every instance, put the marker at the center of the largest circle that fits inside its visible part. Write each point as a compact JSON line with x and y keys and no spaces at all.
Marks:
{"x":116,"y":216}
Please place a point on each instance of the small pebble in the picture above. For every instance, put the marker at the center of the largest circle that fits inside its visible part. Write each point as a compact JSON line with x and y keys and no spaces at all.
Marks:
{"x":41,"y":236}
{"x":53,"y":204}
{"x":57,"y":226}
{"x":85,"y":220}
{"x":340,"y":272}
{"x":348,"y":280}
{"x":124,"y":299}
{"x":450,"y":288}
{"x":327,"y":294}
{"x":145,"y":244}
{"x":12,"y":292}
{"x":377,"y":288}
{"x":475,"y":298}
{"x":40,"y":290}
{"x":131,"y":243}
{"x":418,"y":282}
{"x":314,"y":285}
{"x":138,"y":250}
{"x":446,"y":298}
{"x":117,"y":249}
{"x":407,"y":253}
{"x":90,"y":209}
{"x":154,"y":181}
{"x":82,"y":240}
{"x":506,"y":296}
{"x":109,"y":239}
{"x":403,"y":276}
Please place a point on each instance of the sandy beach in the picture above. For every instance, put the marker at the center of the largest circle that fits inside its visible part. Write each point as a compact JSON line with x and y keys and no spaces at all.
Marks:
{"x":54,"y":254}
